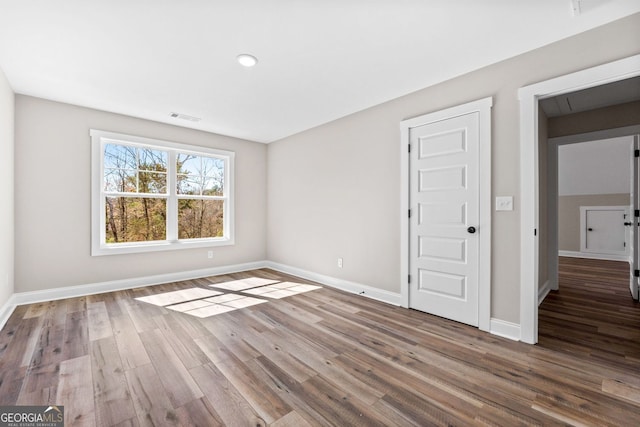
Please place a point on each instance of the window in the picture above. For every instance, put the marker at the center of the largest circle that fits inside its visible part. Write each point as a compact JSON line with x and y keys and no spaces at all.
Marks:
{"x":150,"y":195}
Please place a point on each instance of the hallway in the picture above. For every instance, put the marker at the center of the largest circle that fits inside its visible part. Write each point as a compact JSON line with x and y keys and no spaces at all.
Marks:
{"x":592,"y":316}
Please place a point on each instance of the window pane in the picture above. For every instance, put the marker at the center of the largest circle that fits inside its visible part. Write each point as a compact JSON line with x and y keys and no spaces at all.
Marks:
{"x":200,"y":175}
{"x":135,"y":170}
{"x":212,"y":166}
{"x":135,"y":219}
{"x":212,"y":187}
{"x":120,"y":156}
{"x":120,"y":180}
{"x":188,"y":164}
{"x":213,"y":172}
{"x":152,"y":182}
{"x":189,"y":184}
{"x":199,"y":219}
{"x":152,"y":160}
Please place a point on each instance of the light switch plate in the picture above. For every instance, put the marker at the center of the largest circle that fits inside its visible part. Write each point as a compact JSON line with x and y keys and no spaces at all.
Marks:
{"x":504,"y":203}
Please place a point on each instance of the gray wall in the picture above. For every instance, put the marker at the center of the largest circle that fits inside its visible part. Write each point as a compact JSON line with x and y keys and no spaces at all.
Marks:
{"x":334,"y":190}
{"x":595,"y":167}
{"x":622,"y":115}
{"x":617,"y":116}
{"x":6,"y":190}
{"x":53,"y":199}
{"x":569,"y":215}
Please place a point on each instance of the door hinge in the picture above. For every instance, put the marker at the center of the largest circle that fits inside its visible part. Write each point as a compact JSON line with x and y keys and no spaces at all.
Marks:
{"x":636,"y":153}
{"x":410,"y":148}
{"x":636,"y":213}
{"x":409,"y":213}
{"x":535,"y":231}
{"x":636,"y":273}
{"x":409,"y":279}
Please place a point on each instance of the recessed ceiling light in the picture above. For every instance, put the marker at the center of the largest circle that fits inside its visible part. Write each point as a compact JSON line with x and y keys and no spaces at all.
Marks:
{"x":247,"y":60}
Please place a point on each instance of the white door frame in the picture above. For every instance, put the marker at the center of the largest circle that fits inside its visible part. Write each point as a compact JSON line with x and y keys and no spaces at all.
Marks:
{"x":483,"y":107}
{"x":529,"y":191}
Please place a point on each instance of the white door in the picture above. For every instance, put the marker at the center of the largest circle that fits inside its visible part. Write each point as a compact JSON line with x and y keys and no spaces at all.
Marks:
{"x":603,"y":230}
{"x":443,"y":227}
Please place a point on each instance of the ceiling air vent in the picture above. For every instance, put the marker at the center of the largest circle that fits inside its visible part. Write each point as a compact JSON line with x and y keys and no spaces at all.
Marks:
{"x":185,"y":117}
{"x":576,"y":7}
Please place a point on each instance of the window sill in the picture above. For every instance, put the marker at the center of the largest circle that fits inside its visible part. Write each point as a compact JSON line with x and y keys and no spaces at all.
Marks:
{"x":145,"y":247}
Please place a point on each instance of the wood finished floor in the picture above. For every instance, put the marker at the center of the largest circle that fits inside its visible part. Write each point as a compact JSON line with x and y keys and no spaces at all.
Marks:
{"x":322,"y":358}
{"x":592,"y":316}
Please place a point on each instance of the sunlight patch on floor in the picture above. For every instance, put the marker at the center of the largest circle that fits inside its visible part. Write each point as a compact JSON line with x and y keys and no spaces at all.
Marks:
{"x":176,"y":297}
{"x":281,"y":290}
{"x":240,"y":285}
{"x":203,"y":303}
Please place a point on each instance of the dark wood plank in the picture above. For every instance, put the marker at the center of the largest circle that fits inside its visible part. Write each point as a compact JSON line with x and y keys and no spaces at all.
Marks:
{"x":182,"y":344}
{"x":130,"y":347}
{"x":269,"y":406}
{"x":13,"y":367}
{"x":75,"y":392}
{"x":151,"y":403}
{"x":110,"y":390}
{"x":76,"y":335}
{"x":230,"y":405}
{"x":98,"y":321}
{"x":199,"y":413}
{"x":175,"y":378}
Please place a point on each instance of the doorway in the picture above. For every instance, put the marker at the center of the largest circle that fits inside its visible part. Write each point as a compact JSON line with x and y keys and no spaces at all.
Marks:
{"x":590,"y":192}
{"x":529,"y":184}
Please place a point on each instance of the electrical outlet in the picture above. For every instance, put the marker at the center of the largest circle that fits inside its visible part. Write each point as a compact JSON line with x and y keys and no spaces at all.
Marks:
{"x":210,"y":254}
{"x":339,"y":262}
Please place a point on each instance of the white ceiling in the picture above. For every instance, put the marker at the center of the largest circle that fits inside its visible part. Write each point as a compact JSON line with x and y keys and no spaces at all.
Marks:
{"x":319,"y":59}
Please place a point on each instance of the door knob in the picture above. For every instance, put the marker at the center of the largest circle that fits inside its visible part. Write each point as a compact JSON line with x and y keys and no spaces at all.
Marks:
{"x":590,"y":229}
{"x":628,"y":223}
{"x":471,"y":230}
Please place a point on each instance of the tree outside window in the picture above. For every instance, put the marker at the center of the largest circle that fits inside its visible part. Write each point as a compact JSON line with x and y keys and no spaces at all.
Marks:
{"x":159,"y":195}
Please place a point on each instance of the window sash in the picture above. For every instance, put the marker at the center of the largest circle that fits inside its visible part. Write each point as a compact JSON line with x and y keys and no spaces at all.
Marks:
{"x":99,"y":246}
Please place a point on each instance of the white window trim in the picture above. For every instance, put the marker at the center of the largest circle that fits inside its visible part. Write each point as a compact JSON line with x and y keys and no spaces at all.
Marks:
{"x":98,"y":246}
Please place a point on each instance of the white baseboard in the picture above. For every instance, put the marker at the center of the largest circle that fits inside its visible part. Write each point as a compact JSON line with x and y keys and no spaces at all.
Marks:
{"x":20,"y":298}
{"x":544,"y":291}
{"x":118,"y":285}
{"x":344,"y":285}
{"x":505,"y":329}
{"x":6,"y":310}
{"x":589,"y":255}
{"x":498,"y":327}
